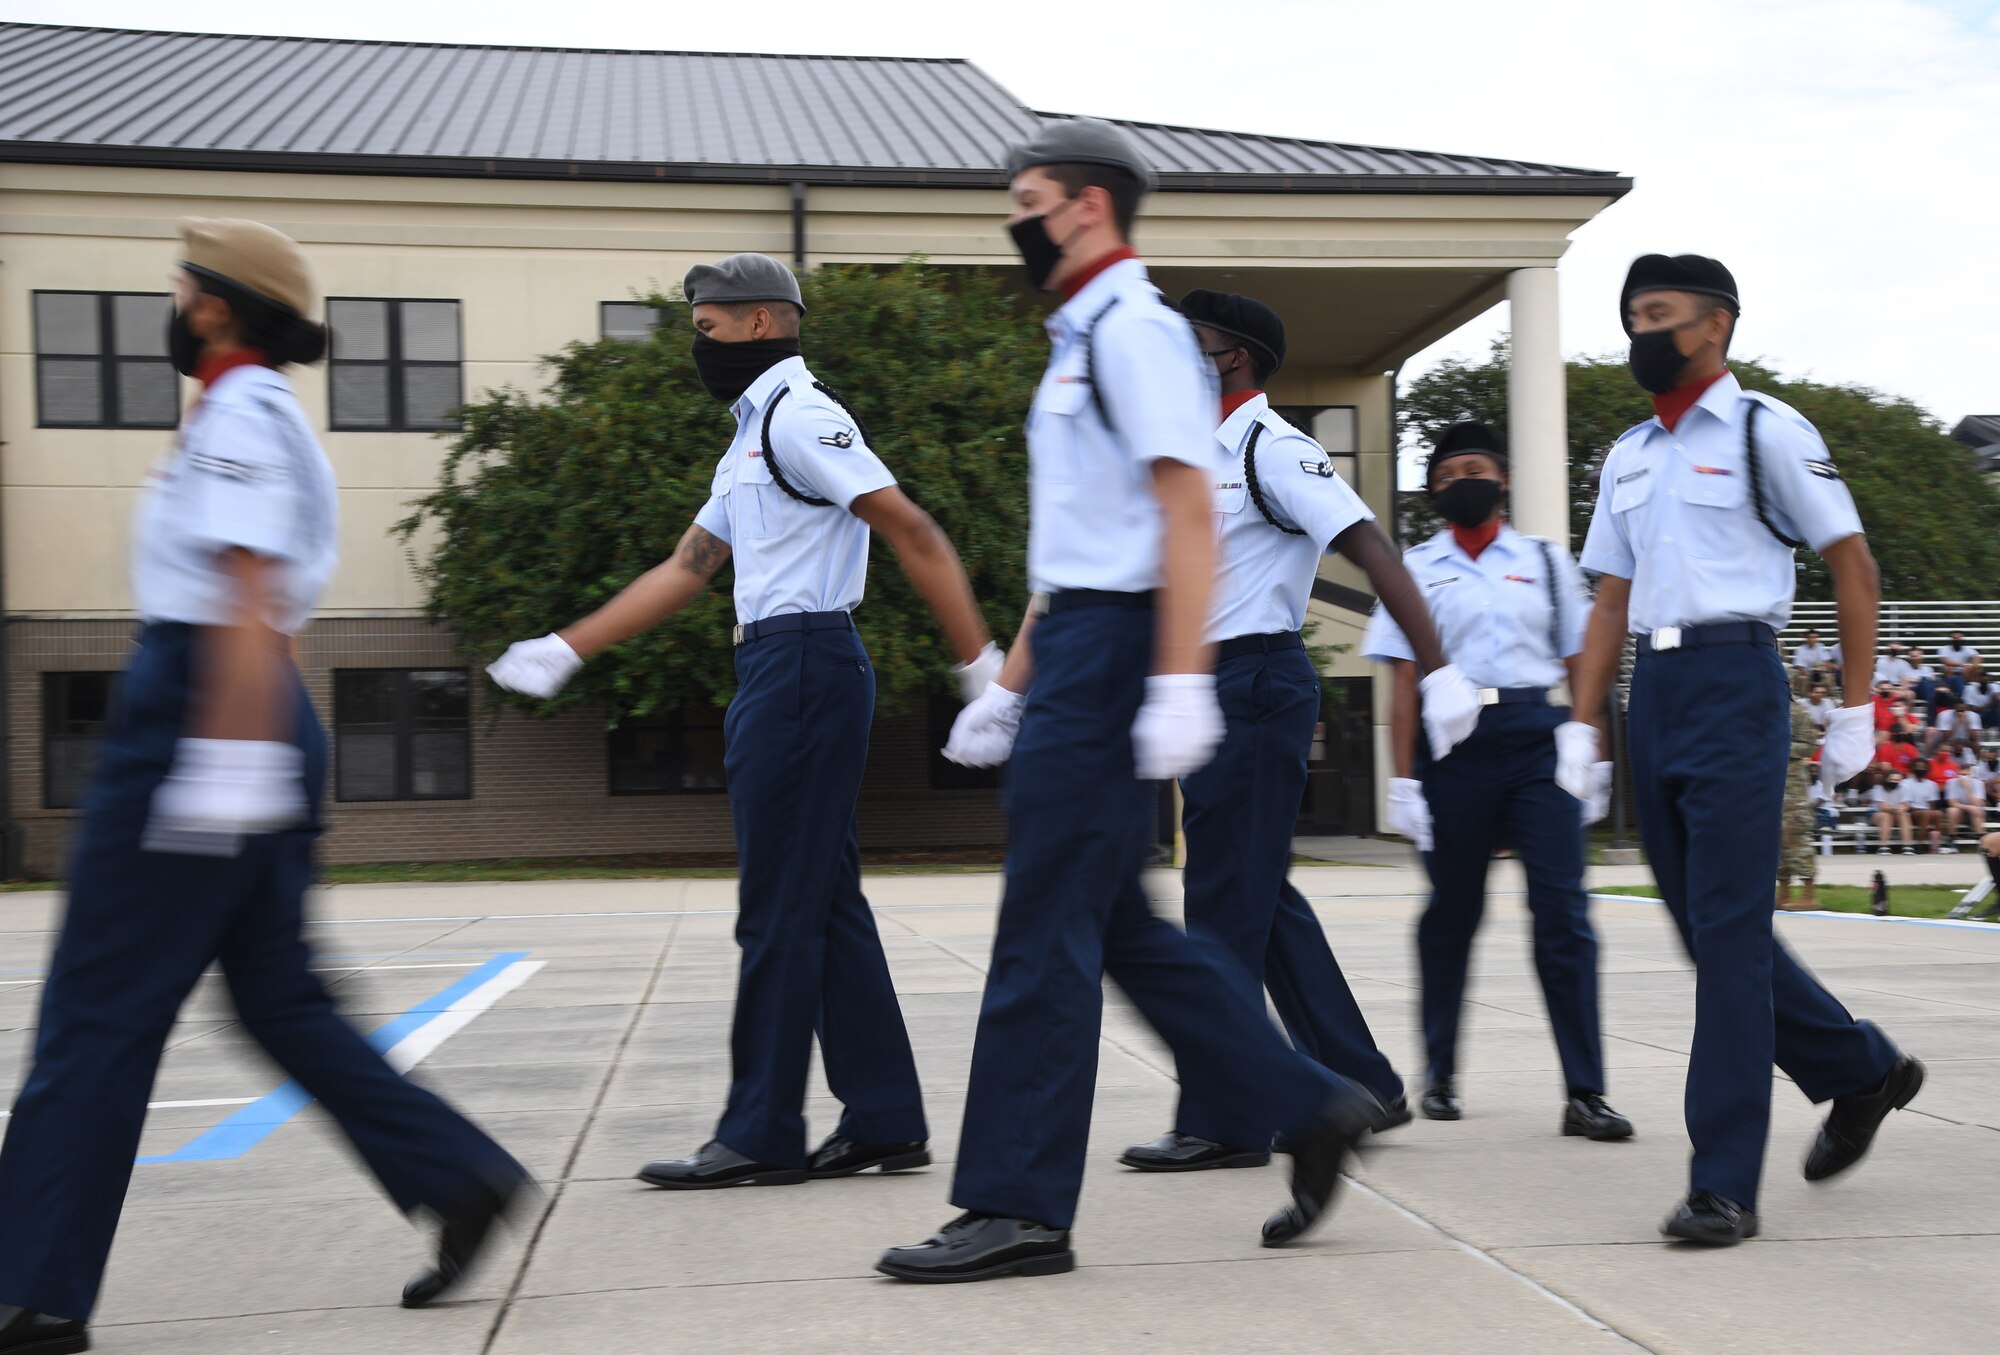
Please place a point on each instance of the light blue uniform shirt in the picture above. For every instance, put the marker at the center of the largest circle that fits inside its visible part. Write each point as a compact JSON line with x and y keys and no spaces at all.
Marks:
{"x":1675,"y":515}
{"x":247,"y":472}
{"x":1492,"y":614}
{"x":791,"y":556}
{"x":1093,"y":521}
{"x":1265,"y":575}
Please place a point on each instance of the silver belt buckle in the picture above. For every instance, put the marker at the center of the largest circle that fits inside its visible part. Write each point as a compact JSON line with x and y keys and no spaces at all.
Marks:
{"x":1667,"y":637}
{"x":736,"y":636}
{"x":1489,"y":696}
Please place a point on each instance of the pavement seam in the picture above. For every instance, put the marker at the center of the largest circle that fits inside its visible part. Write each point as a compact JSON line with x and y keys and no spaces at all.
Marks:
{"x":562,"y":1180}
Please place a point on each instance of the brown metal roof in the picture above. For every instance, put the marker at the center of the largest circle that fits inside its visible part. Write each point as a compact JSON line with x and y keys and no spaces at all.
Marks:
{"x":206,"y":100}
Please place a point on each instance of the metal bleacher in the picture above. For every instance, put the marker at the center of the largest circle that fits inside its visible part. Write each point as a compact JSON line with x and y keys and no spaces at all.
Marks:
{"x":1923,"y":626}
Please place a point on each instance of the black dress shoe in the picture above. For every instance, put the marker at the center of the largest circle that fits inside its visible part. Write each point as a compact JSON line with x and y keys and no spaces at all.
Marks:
{"x":1851,"y":1124}
{"x":1441,"y":1101}
{"x":715,"y":1165}
{"x":1587,"y":1115}
{"x":980,"y":1247}
{"x":1390,"y":1114}
{"x":23,"y":1331}
{"x":1174,"y":1151}
{"x":1317,"y":1158}
{"x":462,"y":1236}
{"x":843,"y":1157}
{"x":1707,"y":1218}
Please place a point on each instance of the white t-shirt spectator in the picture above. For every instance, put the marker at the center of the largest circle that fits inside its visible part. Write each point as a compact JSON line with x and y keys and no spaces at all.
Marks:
{"x":1963,"y":790}
{"x":1984,"y":770}
{"x":1948,"y":719}
{"x":1919,"y":792}
{"x":1975,"y":695}
{"x":1820,"y":711}
{"x":1811,"y":656}
{"x":1897,"y":670}
{"x":1957,"y":655}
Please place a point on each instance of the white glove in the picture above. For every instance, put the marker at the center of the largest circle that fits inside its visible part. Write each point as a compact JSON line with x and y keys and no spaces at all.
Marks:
{"x":1178,"y":726}
{"x":220,"y":790}
{"x":1576,"y":759}
{"x":1409,"y":813}
{"x":983,"y":734}
{"x":973,"y":677}
{"x":1850,"y":743}
{"x":536,"y":668}
{"x":1599,"y":803}
{"x":1451,"y":708}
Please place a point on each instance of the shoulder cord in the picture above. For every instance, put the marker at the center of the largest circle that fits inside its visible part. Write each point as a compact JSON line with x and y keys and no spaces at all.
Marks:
{"x":1555,"y":600}
{"x":1756,"y":478}
{"x":771,"y":457}
{"x":1089,"y":365}
{"x":1257,"y":490}
{"x":301,"y":461}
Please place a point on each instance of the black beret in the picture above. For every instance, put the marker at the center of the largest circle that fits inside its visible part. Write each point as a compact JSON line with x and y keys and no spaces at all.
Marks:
{"x":1082,"y":141}
{"x":1240,"y":317}
{"x":1460,"y":438}
{"x":1681,"y":273}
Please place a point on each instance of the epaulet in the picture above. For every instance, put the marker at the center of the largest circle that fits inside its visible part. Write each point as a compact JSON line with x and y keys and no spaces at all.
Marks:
{"x":1630,"y":431}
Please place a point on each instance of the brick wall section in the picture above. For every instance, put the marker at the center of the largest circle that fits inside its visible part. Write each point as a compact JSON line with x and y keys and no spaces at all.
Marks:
{"x":540,"y":787}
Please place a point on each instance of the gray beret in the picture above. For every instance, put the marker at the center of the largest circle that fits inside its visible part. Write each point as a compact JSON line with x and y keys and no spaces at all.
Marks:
{"x":741,"y":277}
{"x":1083,"y":141}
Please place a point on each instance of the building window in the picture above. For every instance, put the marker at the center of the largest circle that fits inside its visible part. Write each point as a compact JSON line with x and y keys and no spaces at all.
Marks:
{"x":946,"y":774}
{"x":630,"y":320}
{"x":394,"y":366}
{"x":403,"y":734}
{"x":676,"y":752}
{"x":101,"y":361}
{"x":1334,"y":427}
{"x":75,"y":708}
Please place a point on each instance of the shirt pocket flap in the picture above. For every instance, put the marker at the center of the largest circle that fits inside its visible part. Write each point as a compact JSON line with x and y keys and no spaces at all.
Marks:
{"x":1631,"y":490}
{"x":753,"y":467}
{"x":1230,"y":496}
{"x":1720,"y":488}
{"x":1064,"y":395}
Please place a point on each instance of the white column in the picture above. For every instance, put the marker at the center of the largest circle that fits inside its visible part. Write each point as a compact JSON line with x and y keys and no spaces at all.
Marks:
{"x":1537,"y":411}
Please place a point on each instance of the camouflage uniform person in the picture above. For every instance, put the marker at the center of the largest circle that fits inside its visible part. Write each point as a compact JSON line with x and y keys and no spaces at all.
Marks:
{"x":1796,"y":859}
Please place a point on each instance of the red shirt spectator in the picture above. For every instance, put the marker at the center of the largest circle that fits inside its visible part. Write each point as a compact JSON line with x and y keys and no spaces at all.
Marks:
{"x":1897,"y":755}
{"x":1883,"y":700}
{"x":1941,"y":761}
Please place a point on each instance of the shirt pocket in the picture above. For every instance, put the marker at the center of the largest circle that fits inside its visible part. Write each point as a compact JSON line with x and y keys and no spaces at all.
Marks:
{"x":1055,"y":431}
{"x":754,"y":508}
{"x":1230,"y":498}
{"x":1713,"y":524}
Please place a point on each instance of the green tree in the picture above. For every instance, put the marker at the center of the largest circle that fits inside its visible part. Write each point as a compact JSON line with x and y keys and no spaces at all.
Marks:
{"x":547,"y":505}
{"x":1933,"y":520}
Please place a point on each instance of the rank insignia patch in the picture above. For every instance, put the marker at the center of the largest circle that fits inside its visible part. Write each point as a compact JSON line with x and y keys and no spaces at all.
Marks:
{"x":843,"y":439}
{"x":1323,"y":469}
{"x":1825,"y":470}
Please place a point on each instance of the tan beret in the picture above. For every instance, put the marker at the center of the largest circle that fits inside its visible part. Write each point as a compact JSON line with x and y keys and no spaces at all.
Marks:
{"x":255,"y":257}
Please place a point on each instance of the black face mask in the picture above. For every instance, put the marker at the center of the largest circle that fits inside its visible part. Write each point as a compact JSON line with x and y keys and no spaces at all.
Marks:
{"x":183,"y":345}
{"x":1039,"y":251}
{"x":1467,"y":502}
{"x":1657,"y":364}
{"x":728,"y":369}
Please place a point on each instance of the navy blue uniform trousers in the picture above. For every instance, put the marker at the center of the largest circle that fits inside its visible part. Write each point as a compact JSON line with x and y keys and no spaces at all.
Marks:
{"x":1240,"y":811}
{"x":1074,"y":911}
{"x":797,"y":743}
{"x":1711,"y":741}
{"x":141,"y":928}
{"x":1502,"y":779}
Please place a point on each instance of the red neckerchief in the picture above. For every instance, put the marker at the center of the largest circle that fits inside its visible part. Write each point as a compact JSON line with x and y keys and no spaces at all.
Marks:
{"x":1474,"y":540}
{"x":1081,"y":279}
{"x":1672,"y":406}
{"x":212,"y":365}
{"x":1232,"y":403}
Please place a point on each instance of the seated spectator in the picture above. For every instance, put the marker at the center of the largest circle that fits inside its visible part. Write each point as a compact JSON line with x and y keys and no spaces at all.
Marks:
{"x":1923,"y":796}
{"x":1957,"y":727}
{"x":1812,"y":658}
{"x":1941,"y":762}
{"x":1893,"y":668}
{"x":1891,"y":811}
{"x":1982,"y":694}
{"x":1897,"y":751}
{"x":1986,"y":772}
{"x":1953,"y":658}
{"x":1963,"y":808}
{"x":1885,"y":697}
{"x":1924,"y":683}
{"x":1818,"y":705}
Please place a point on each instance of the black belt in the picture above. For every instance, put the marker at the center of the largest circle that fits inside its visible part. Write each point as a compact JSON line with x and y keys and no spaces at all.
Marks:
{"x":1669,"y":638}
{"x":1277,"y":642}
{"x":1072,"y":598}
{"x":791,"y":621}
{"x":1513,"y":696}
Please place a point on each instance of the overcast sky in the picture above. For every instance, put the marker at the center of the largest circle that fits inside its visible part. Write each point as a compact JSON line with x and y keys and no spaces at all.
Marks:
{"x":1841,"y":156}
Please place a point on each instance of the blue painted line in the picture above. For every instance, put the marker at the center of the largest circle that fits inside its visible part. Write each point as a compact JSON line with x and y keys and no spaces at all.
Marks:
{"x":257,"y":1121}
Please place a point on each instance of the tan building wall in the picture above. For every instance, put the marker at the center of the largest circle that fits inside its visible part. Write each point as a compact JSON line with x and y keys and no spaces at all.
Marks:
{"x":1364,"y":281}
